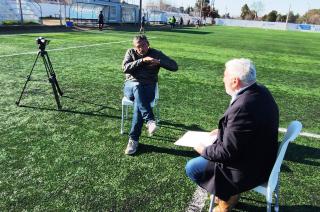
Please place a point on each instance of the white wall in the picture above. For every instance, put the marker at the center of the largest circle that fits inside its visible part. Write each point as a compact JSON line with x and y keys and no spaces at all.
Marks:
{"x":268,"y":25}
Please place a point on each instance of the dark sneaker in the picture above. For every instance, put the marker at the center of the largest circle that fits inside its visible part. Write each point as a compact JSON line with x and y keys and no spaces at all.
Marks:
{"x":131,"y":147}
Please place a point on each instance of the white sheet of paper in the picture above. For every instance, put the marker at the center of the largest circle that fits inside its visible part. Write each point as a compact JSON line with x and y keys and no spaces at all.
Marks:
{"x":194,"y":138}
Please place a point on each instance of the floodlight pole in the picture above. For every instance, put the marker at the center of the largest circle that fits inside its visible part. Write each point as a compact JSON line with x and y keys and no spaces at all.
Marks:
{"x":140,"y":14}
{"x":60,"y":12}
{"x":21,"y":15}
{"x":287,"y":19}
{"x":201,"y":9}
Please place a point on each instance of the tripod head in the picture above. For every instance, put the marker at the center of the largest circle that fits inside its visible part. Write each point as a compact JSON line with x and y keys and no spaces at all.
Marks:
{"x":42,"y":43}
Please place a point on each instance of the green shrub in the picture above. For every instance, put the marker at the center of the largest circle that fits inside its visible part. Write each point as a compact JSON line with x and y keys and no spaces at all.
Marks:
{"x":10,"y":22}
{"x":13,"y":22}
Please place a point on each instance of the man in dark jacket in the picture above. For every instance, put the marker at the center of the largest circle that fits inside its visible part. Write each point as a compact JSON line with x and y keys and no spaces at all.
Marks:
{"x":246,"y":147}
{"x":101,"y":21}
{"x":141,"y":65}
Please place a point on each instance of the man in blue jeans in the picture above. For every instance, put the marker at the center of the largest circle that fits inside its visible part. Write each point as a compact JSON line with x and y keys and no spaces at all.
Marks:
{"x":141,"y":66}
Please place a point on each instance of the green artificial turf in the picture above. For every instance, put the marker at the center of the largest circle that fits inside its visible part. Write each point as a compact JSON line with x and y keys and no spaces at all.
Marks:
{"x":74,"y":159}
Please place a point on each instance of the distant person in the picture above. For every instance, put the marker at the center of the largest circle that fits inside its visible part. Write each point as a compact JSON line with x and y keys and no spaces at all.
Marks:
{"x":181,"y":22}
{"x":101,"y":21}
{"x":141,"y":66}
{"x":143,"y":23}
{"x":171,"y":22}
{"x":245,"y":150}
{"x":197,"y":23}
{"x":174,"y":20}
{"x":188,"y":23}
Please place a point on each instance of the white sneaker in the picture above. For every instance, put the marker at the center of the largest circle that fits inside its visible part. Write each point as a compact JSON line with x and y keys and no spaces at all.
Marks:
{"x":131,"y":147}
{"x":152,"y":127}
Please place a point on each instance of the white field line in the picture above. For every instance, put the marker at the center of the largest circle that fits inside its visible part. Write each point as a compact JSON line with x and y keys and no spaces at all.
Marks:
{"x":39,"y":33}
{"x":198,"y":200}
{"x":72,"y":47}
{"x":306,"y":134}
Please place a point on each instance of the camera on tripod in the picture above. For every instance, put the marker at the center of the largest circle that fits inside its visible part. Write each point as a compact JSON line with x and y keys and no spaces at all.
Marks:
{"x":42,"y":43}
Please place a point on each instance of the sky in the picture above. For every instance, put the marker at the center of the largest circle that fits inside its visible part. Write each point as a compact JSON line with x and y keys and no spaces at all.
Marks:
{"x":234,"y":6}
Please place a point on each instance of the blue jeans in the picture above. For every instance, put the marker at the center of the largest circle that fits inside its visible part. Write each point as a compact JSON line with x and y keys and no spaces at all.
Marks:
{"x":142,"y":95}
{"x":195,"y":169}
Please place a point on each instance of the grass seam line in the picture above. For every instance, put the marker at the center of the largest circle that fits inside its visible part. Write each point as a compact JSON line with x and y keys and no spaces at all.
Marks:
{"x":72,"y":47}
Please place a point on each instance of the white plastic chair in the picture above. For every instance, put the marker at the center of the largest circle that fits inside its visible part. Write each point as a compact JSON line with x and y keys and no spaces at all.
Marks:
{"x":127,"y":102}
{"x":272,"y":185}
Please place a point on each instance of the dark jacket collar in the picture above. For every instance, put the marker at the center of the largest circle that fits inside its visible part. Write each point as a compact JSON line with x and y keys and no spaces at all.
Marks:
{"x":250,"y":87}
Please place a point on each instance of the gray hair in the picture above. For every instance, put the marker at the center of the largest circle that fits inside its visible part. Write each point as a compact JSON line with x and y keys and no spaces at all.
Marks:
{"x":242,"y":68}
{"x":140,"y":38}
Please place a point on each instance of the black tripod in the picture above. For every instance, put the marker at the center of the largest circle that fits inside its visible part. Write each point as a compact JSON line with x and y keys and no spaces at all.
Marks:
{"x":50,"y":73}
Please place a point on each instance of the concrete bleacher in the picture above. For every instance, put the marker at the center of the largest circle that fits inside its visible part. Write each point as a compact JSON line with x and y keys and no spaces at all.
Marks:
{"x":10,"y":10}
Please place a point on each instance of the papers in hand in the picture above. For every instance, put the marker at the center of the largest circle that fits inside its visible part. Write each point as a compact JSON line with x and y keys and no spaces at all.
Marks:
{"x":195,"y":138}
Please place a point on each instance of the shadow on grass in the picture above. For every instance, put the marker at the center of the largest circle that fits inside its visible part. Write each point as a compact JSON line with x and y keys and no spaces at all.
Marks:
{"x":162,"y":138}
{"x":303,"y":154}
{"x":160,"y":28}
{"x":33,"y":29}
{"x":190,"y":31}
{"x":72,"y":111}
{"x":178,"y":126}
{"x":146,"y":148}
{"x":91,"y":103}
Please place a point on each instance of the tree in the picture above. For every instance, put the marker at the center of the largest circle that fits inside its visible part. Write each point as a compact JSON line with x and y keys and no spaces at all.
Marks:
{"x":281,"y":18}
{"x":245,"y":11}
{"x":189,"y":10}
{"x":292,"y":17}
{"x":214,"y":14}
{"x":310,"y":17}
{"x":272,"y":16}
{"x":258,"y":7}
{"x":207,"y":11}
{"x":227,"y":16}
{"x":264,"y":17}
{"x":251,"y":16}
{"x":200,"y":4}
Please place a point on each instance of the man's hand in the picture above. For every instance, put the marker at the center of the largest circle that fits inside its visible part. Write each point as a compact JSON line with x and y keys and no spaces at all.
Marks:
{"x":199,"y":148}
{"x":151,"y":61}
{"x":214,"y":132}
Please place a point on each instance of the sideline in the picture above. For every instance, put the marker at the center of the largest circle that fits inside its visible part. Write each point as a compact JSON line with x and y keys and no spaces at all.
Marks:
{"x":305,"y":134}
{"x":72,"y":47}
{"x":198,"y":200}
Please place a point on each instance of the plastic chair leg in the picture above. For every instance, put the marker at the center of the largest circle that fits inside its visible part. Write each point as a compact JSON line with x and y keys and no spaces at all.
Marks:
{"x":122,"y":119}
{"x":276,"y":195}
{"x":127,"y":107}
{"x":268,"y":206}
{"x":158,"y":114}
{"x":211,"y":203}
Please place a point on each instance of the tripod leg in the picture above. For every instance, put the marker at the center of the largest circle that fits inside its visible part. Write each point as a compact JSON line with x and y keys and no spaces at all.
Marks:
{"x":28,"y":79}
{"x":53,"y":75}
{"x":55,"y":93}
{"x":56,"y":83}
{"x":53,"y":85}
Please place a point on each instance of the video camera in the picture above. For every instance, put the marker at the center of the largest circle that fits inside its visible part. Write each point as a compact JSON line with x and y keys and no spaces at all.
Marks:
{"x":42,"y":43}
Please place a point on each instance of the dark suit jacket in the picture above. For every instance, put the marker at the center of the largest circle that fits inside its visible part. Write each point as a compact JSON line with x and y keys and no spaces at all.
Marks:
{"x":246,"y":146}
